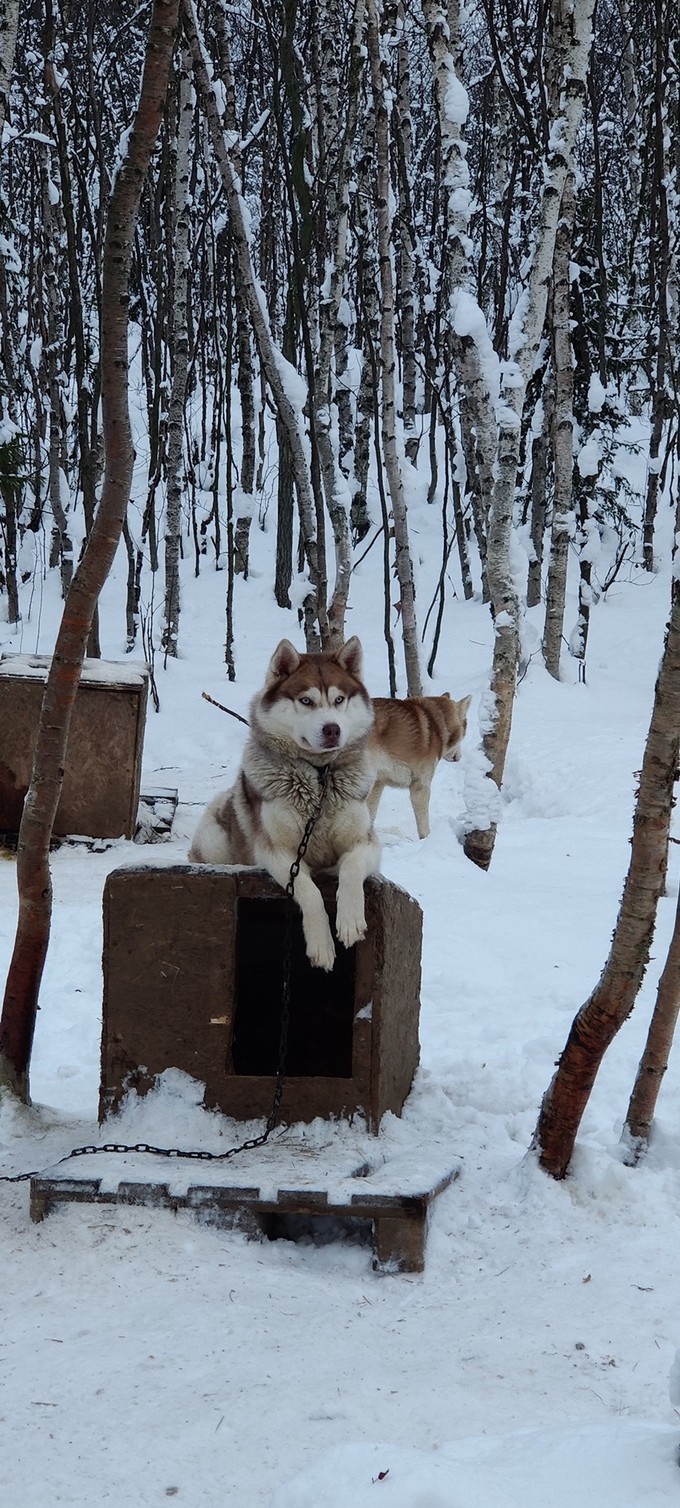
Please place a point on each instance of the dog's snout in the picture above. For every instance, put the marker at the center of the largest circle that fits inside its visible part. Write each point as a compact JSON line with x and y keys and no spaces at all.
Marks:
{"x":330,"y":734}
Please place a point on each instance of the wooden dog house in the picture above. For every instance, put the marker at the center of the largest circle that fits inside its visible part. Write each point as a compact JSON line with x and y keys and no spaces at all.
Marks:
{"x":193,"y":977}
{"x":100,"y":793}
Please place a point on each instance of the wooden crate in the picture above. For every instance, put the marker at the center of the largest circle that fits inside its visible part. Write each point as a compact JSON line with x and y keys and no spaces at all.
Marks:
{"x":193,"y":973}
{"x":100,"y":794}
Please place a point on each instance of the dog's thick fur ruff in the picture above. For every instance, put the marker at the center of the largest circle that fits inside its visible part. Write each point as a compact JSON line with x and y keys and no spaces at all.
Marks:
{"x":408,"y":739}
{"x":313,"y":711}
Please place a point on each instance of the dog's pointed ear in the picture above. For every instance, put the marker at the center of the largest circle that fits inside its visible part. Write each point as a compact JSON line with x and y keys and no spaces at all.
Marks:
{"x":284,"y":661}
{"x":351,"y":657}
{"x":464,"y":704}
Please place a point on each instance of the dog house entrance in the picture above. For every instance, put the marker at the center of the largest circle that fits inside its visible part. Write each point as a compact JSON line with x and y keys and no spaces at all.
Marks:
{"x":321,"y":1004}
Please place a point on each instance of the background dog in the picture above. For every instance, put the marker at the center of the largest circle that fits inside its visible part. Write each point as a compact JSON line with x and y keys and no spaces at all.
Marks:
{"x":313,"y":712}
{"x":408,"y":739}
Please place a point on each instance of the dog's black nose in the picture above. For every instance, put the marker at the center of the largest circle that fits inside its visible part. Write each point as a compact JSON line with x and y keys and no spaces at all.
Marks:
{"x":330,"y":734}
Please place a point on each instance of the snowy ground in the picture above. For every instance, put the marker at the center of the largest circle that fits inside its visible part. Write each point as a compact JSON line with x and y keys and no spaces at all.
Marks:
{"x":144,"y":1357}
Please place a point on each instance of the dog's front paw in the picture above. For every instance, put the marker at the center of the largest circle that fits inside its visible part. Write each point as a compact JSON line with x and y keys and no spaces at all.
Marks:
{"x":320,"y":948}
{"x":350,"y":926}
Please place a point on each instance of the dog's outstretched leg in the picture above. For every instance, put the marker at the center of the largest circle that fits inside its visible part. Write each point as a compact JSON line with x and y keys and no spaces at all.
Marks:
{"x":353,"y":869}
{"x":315,"y":924}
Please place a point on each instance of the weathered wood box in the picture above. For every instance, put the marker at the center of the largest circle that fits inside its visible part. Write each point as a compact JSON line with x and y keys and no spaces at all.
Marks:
{"x":193,"y":977}
{"x":100,"y":794}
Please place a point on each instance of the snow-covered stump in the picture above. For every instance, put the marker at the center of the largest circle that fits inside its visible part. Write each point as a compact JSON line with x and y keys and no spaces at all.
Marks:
{"x":193,"y":979}
{"x":100,"y":793}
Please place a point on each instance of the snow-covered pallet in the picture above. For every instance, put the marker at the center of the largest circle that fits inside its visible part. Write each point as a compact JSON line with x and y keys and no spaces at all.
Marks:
{"x":394,"y":1197}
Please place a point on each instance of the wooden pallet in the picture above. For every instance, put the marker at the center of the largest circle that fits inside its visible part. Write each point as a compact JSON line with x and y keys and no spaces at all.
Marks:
{"x":398,"y":1217}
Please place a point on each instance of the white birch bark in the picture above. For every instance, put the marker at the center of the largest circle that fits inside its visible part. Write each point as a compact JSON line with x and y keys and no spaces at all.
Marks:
{"x":245,"y":376}
{"x":9,"y":26}
{"x":629,"y":71}
{"x":367,"y":279}
{"x":280,"y":377}
{"x":334,"y":484}
{"x":571,"y":42}
{"x":564,"y":518}
{"x":388,"y":359}
{"x":464,"y":328}
{"x":662,"y":338}
{"x":407,"y":255}
{"x":61,"y":549}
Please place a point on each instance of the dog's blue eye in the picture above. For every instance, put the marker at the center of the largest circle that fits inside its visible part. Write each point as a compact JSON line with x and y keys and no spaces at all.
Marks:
{"x":306,"y":701}
{"x":339,"y":701}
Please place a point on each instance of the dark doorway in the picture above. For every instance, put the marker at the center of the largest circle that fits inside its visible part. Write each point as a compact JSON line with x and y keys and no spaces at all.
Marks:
{"x":321,"y":1004}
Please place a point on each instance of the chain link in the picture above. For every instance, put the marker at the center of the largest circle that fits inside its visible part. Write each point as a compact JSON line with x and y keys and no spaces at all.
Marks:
{"x":145,"y":1147}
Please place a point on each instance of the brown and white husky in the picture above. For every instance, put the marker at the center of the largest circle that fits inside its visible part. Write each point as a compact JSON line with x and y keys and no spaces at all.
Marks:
{"x":408,"y":739}
{"x":313,"y":712}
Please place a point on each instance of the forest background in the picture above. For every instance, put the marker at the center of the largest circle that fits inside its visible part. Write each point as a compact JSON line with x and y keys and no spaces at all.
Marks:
{"x":402,"y":315}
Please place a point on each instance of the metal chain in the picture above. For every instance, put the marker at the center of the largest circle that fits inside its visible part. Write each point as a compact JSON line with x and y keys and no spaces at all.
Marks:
{"x":272,"y":1119}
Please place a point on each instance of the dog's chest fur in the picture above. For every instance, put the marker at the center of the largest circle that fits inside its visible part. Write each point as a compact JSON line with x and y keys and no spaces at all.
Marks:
{"x":280,"y":792}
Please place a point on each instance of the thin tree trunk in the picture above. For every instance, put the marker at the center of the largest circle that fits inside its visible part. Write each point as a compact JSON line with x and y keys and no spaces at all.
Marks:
{"x":17,"y":1023}
{"x":338,"y":220}
{"x":659,"y":276}
{"x":388,"y":361}
{"x":464,"y":331}
{"x":61,"y":549}
{"x":613,"y":998}
{"x":563,"y":521}
{"x":570,"y":54}
{"x":245,"y":377}
{"x":405,"y":227}
{"x":539,"y":481}
{"x":180,"y":360}
{"x":272,"y":360}
{"x":367,"y":286}
{"x":9,"y":26}
{"x":654,"y":1061}
{"x":11,"y":489}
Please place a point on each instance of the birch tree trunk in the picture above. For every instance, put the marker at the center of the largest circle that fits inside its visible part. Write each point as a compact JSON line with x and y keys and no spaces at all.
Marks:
{"x":272,"y":360}
{"x":17,"y":1022}
{"x":613,"y":998}
{"x":61,"y":548}
{"x":403,"y":130}
{"x":9,"y":26}
{"x":335,"y":489}
{"x":388,"y":360}
{"x":464,"y":331}
{"x":539,"y":481}
{"x":660,"y":250}
{"x":564,"y":520}
{"x":571,"y":43}
{"x":180,"y":359}
{"x":369,"y":327}
{"x":245,"y":374}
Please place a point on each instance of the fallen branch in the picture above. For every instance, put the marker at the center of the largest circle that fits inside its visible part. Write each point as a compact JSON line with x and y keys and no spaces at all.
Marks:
{"x":222,"y":708}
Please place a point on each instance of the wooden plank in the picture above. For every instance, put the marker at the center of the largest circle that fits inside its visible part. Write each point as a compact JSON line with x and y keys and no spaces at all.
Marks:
{"x":399,"y":1243}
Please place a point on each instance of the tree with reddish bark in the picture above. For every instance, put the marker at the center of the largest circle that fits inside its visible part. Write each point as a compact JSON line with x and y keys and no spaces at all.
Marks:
{"x":20,"y":1005}
{"x":614,"y":996}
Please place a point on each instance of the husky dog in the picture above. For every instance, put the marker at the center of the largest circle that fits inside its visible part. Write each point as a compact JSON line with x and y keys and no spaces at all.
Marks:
{"x":313,"y":713}
{"x":408,"y":740}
